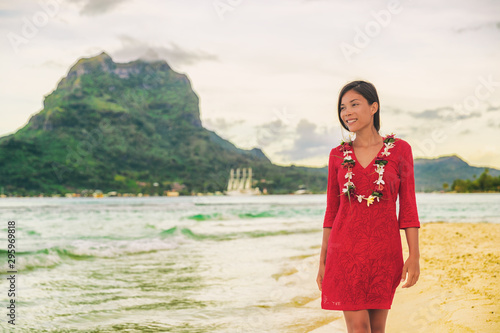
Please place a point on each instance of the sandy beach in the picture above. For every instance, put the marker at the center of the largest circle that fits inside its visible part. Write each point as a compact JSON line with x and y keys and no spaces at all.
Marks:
{"x":458,"y":289}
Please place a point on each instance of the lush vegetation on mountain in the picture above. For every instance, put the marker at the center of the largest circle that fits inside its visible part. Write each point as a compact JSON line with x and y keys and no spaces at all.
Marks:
{"x":131,"y":127}
{"x":135,"y":128}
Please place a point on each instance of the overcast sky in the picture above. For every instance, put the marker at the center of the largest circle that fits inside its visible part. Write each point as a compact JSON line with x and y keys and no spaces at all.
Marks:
{"x":268,"y":72}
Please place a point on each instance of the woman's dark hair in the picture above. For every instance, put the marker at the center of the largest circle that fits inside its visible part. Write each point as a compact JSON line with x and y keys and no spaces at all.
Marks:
{"x":368,"y":91}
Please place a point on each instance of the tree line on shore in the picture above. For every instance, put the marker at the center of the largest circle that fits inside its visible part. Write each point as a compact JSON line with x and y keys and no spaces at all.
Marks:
{"x":484,"y":183}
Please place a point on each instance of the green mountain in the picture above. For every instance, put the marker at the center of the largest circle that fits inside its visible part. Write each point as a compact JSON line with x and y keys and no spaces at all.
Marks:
{"x":130,"y":127}
{"x":135,"y":127}
{"x":430,"y":174}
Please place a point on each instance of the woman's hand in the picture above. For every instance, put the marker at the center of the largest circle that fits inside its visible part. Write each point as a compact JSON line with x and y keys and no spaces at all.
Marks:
{"x":321,"y":273}
{"x":322,"y":256}
{"x":412,"y":267}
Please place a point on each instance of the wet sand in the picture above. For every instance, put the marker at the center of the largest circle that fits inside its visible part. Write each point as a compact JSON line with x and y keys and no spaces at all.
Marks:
{"x":459,"y":286}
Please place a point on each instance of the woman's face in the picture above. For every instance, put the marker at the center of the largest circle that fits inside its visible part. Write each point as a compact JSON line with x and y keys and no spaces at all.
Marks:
{"x":355,"y":111}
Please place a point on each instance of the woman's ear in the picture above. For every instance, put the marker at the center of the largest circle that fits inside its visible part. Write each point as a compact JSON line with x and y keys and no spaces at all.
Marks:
{"x":374,"y":108}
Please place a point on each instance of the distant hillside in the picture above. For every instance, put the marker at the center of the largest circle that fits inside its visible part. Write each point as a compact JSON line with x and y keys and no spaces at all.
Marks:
{"x":135,"y":127}
{"x":430,"y":174}
{"x":130,"y":127}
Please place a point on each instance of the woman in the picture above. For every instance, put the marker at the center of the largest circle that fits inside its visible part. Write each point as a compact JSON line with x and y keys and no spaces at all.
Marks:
{"x":361,"y":261}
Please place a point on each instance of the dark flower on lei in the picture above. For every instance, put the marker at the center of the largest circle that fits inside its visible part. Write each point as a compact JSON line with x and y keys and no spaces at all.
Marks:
{"x":390,"y":138}
{"x":380,"y":160}
{"x":348,"y":164}
{"x":345,"y":146}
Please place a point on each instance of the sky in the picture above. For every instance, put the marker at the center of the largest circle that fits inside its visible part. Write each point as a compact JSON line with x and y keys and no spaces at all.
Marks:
{"x":268,"y":72}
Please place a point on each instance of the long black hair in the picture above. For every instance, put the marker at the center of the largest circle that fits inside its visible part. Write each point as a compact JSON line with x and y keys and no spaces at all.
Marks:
{"x":368,"y":91}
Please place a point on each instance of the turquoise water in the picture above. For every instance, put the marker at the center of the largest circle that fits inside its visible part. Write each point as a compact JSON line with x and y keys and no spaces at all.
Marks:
{"x":184,"y":264}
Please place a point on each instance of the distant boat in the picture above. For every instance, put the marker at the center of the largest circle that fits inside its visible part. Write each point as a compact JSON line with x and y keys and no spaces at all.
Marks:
{"x":241,"y":185}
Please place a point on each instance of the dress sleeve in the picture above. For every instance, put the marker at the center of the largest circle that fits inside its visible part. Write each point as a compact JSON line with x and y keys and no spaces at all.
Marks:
{"x":408,"y":214}
{"x":332,"y":193}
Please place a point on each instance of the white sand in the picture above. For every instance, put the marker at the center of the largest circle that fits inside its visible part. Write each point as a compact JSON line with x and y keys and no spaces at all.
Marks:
{"x":459,"y":285}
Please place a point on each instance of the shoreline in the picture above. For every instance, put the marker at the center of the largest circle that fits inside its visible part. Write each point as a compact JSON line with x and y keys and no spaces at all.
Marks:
{"x":198,"y":194}
{"x":458,"y":289}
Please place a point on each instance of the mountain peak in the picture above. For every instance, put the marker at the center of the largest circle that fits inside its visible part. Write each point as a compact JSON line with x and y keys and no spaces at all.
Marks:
{"x":86,"y":65}
{"x":103,"y":54}
{"x":104,"y":63}
{"x":103,"y":57}
{"x":453,"y":158}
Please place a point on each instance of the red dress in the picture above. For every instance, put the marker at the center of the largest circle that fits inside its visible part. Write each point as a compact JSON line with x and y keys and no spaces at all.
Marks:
{"x":364,"y":259}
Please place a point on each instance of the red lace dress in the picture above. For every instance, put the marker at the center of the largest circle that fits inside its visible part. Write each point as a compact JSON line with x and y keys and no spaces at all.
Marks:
{"x":364,"y":260}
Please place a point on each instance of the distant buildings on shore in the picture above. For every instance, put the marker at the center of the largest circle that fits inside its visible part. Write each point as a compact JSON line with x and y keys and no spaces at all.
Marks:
{"x":239,"y":184}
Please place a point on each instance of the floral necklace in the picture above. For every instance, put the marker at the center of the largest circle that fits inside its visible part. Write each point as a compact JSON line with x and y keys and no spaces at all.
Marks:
{"x":348,"y":163}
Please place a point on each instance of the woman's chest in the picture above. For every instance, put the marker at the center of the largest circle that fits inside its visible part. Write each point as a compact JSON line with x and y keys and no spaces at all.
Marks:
{"x":365,"y":155}
{"x":376,"y":176}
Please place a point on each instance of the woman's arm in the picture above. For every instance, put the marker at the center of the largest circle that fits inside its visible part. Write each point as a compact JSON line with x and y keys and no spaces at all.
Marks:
{"x":332,"y":206}
{"x":408,"y":215}
{"x":412,"y":265}
{"x":322,"y":256}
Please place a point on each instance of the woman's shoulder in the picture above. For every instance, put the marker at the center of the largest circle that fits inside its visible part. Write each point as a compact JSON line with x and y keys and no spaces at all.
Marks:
{"x":336,"y":156}
{"x":399,"y":144}
{"x":402,"y":149}
{"x":402,"y":144}
{"x":337,"y":151}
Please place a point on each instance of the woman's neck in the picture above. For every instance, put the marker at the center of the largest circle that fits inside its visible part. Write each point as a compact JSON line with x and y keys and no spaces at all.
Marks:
{"x":367,"y":137}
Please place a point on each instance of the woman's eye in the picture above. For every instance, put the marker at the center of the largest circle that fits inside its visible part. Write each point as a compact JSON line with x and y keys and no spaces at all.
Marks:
{"x":354,"y":104}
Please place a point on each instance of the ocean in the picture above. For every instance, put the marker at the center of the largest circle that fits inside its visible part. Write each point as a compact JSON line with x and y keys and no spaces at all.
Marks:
{"x":179,"y":264}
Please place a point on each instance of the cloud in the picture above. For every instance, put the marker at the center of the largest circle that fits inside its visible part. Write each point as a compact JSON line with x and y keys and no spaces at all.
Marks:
{"x":97,"y":7}
{"x":445,"y":113}
{"x":310,"y":141}
{"x":493,"y":124}
{"x":437,"y":113}
{"x":470,"y":28}
{"x":221,"y":124}
{"x":133,"y":48}
{"x":230,"y":129}
{"x":270,"y":133}
{"x":9,"y":13}
{"x":493,"y":108}
{"x":391,"y":110}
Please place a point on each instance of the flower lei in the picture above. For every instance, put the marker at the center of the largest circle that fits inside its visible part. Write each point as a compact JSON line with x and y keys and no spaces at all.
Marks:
{"x":348,"y":163}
